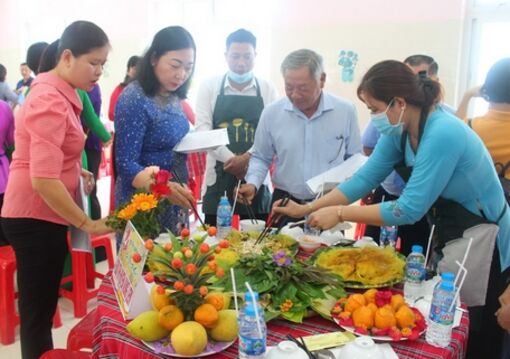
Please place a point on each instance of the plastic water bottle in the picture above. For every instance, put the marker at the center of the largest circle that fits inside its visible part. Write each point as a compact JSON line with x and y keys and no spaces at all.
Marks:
{"x":415,"y":273}
{"x":388,"y":236}
{"x":248,"y":300}
{"x":439,"y":330}
{"x":445,"y":277}
{"x":223,"y":217}
{"x":252,"y":331}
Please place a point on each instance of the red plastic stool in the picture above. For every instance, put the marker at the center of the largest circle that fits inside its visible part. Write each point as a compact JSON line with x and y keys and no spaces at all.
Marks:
{"x":65,"y":354}
{"x":83,"y":275}
{"x":82,"y":334}
{"x":8,"y":313}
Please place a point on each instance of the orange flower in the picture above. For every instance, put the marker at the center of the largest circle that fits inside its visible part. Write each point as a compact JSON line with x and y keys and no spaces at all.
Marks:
{"x":128,"y":212}
{"x":144,"y":202}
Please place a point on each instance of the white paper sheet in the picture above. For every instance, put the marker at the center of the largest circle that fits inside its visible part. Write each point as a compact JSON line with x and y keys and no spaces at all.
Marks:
{"x":198,"y":141}
{"x":336,"y":175}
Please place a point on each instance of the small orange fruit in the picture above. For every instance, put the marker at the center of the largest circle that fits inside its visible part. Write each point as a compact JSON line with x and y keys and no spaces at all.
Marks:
{"x":372,"y":307}
{"x":207,"y":315}
{"x":363,"y":317}
{"x":397,"y":300}
{"x":170,"y":316}
{"x":354,"y":302}
{"x":216,"y":299}
{"x":384,"y":318}
{"x":405,"y":317}
{"x":370,"y":295}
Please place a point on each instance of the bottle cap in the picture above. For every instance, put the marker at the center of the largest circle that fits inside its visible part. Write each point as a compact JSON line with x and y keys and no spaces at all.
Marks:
{"x":447,"y":276}
{"x":248,"y":297}
{"x":250,"y":311}
{"x":417,"y":249}
{"x":448,"y":286}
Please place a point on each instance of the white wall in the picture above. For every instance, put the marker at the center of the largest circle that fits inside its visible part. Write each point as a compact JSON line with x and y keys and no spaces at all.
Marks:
{"x":375,"y":29}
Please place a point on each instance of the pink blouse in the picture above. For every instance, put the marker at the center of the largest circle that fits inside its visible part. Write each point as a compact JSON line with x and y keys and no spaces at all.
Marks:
{"x":49,"y":141}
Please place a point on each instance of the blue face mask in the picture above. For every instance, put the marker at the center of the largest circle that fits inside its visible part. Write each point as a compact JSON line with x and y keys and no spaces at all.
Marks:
{"x":382,"y":123}
{"x":240,"y":79}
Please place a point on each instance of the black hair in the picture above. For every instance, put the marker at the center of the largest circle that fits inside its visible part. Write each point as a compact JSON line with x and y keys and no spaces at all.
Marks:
{"x":241,"y":36}
{"x":3,"y":73}
{"x":48,"y":58}
{"x":417,"y":60}
{"x":34,"y":54}
{"x":389,"y":79}
{"x":496,"y":88}
{"x":132,"y":62}
{"x":81,"y":37}
{"x":168,"y":39}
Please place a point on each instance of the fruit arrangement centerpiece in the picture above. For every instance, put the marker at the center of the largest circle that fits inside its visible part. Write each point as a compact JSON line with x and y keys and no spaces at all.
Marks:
{"x":187,"y":317}
{"x":380,"y":314}
{"x":288,"y":287}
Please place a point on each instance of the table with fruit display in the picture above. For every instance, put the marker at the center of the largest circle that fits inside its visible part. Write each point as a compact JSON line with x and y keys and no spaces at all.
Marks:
{"x":335,"y":289}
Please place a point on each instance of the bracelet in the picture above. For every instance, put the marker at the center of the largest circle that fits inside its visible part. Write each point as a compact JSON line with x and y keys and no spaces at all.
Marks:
{"x":339,"y":213}
{"x":83,"y":222}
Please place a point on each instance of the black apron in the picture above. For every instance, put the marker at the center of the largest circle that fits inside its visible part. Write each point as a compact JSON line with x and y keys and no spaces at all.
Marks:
{"x":455,"y":224}
{"x":240,"y":116}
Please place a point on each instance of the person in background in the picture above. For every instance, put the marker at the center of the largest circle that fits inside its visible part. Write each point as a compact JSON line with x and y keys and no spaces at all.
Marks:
{"x":34,"y":55}
{"x":307,"y":133}
{"x":26,"y":77}
{"x":494,"y":126}
{"x":40,"y":199}
{"x":391,"y":188}
{"x":234,"y":101}
{"x":458,"y":188}
{"x":6,"y":94}
{"x":7,"y":140}
{"x":94,"y":148}
{"x":130,"y":76}
{"x":149,"y":122}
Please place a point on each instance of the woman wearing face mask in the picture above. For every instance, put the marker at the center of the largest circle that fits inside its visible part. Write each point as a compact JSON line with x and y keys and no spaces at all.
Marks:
{"x":450,"y":176}
{"x":42,"y":191}
{"x":149,"y":122}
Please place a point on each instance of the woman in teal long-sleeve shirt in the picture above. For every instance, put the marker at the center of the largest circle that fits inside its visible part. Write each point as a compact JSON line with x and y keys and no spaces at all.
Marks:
{"x":448,"y":168}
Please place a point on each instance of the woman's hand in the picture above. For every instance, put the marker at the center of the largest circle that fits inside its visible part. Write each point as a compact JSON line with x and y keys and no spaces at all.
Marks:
{"x":324,"y":218}
{"x":88,"y":181}
{"x":180,"y":195}
{"x":96,"y":227}
{"x":292,"y":209}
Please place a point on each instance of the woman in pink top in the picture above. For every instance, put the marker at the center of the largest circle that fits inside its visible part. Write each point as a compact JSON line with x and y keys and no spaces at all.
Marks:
{"x":40,"y":199}
{"x":6,"y":139}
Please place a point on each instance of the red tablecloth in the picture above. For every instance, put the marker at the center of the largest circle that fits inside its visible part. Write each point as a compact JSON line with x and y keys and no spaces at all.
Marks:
{"x":111,"y":339}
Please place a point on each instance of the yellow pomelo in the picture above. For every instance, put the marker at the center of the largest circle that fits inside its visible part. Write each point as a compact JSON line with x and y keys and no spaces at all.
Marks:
{"x":146,"y":327}
{"x":226,"y":329}
{"x":189,"y":338}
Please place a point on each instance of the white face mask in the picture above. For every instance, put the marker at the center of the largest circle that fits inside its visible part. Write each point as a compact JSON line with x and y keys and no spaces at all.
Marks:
{"x":382,"y":123}
{"x":240,"y":79}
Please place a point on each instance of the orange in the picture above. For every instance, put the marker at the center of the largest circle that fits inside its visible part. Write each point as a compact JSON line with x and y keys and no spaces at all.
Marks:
{"x":170,"y":316}
{"x":363,"y":317}
{"x":207,"y":315}
{"x":397,"y":300}
{"x":216,"y":299}
{"x":384,"y":318}
{"x":405,"y":317}
{"x":370,"y":295}
{"x":372,"y":307}
{"x":354,"y":302}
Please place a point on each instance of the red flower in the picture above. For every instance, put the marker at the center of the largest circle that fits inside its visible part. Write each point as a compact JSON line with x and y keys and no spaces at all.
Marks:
{"x":162,"y":177}
{"x":379,"y":332}
{"x":361,"y":330}
{"x":160,"y":190}
{"x":347,"y":322}
{"x":382,"y":298}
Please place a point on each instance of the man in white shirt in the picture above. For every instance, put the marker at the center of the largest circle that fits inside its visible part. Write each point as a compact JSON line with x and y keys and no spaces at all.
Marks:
{"x":234,"y":101}
{"x":306,"y":133}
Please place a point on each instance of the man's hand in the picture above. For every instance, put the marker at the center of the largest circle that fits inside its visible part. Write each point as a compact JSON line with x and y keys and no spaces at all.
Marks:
{"x":247,"y":192}
{"x":503,"y":315}
{"x":237,"y":165}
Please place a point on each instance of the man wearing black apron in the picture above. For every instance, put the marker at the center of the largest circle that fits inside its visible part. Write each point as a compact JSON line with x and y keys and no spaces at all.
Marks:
{"x":233,"y":101}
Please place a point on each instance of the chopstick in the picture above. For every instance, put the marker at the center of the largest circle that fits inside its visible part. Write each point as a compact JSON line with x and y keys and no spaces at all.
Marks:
{"x":251,"y":214}
{"x":301,"y":344}
{"x":174,"y":173}
{"x":272,"y":220}
{"x":297,"y":224}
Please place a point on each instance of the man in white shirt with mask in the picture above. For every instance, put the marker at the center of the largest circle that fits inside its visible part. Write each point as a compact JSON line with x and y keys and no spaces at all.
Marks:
{"x":234,"y":101}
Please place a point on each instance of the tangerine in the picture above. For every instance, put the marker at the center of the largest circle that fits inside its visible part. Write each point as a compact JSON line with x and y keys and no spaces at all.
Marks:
{"x":405,"y":317}
{"x":370,"y":295}
{"x":384,"y":318}
{"x":363,"y":317}
{"x":354,"y":302}
{"x":207,"y":315}
{"x":170,"y":316}
{"x":397,"y":300}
